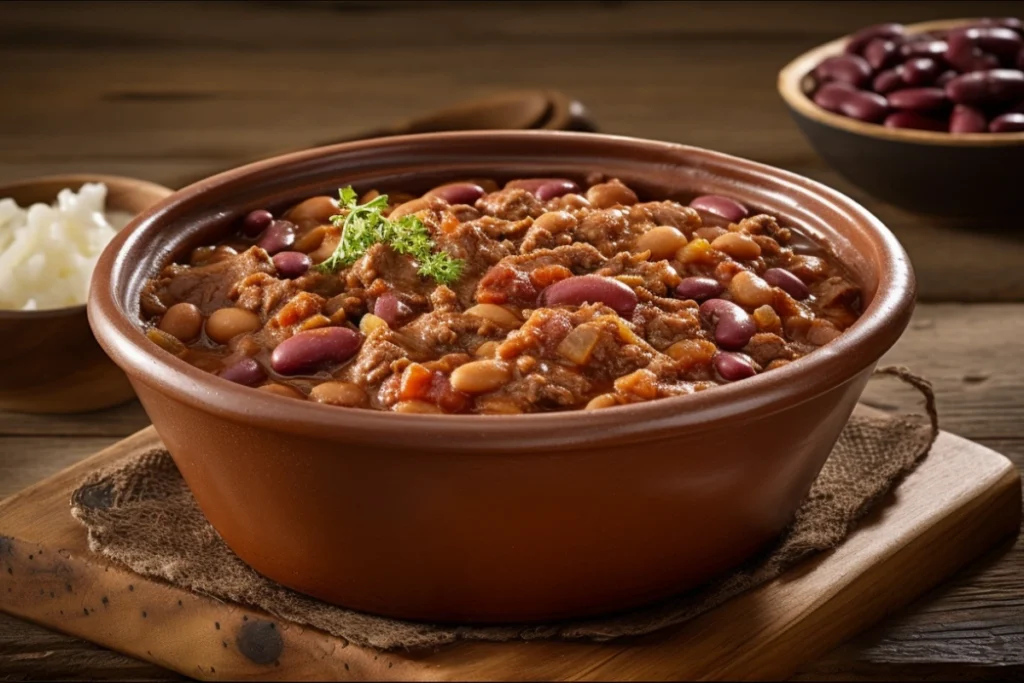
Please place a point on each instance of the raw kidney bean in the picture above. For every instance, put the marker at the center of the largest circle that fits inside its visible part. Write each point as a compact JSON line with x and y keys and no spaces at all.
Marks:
{"x":1012,"y":122}
{"x":733,"y":327}
{"x":727,"y":208}
{"x":881,"y":52}
{"x":581,"y":289}
{"x":390,"y":309}
{"x":864,"y":106}
{"x":1006,"y":22}
{"x":312,"y":350}
{"x":945,"y":77}
{"x":965,"y":119}
{"x":246,"y":371}
{"x":278,"y":237}
{"x":291,"y":264}
{"x":914,"y":120}
{"x":918,"y":99}
{"x":1002,"y":42}
{"x":924,"y":48}
{"x":256,"y":222}
{"x":734,"y":366}
{"x":920,"y":71}
{"x":699,"y":288}
{"x":966,"y":57}
{"x":888,"y":80}
{"x":787,"y":282}
{"x":830,"y":96}
{"x":458,"y":193}
{"x":987,"y":87}
{"x":555,"y":188}
{"x":859,"y":40}
{"x":847,"y":68}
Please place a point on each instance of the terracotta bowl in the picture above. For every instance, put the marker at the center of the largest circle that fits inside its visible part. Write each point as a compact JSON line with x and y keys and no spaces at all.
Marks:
{"x":954,"y":175}
{"x":492,"y":519}
{"x":50,"y":360}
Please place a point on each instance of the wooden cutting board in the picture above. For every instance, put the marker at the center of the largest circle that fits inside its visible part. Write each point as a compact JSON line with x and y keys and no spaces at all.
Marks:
{"x":958,"y":503}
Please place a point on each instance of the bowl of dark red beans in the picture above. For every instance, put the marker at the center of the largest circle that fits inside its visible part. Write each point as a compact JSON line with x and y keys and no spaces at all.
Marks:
{"x":500,"y":377}
{"x":928,"y":117}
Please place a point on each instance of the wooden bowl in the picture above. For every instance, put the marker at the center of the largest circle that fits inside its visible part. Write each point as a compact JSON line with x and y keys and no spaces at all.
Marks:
{"x":956,"y":175}
{"x":50,"y":360}
{"x":501,"y":518}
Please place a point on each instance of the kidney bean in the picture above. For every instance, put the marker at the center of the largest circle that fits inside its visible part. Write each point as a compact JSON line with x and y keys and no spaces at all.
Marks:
{"x":787,"y":282}
{"x":1020,"y":59}
{"x":458,"y":193}
{"x":965,"y":119}
{"x":966,"y":57}
{"x":987,"y":87}
{"x":291,"y":264}
{"x":531,"y":185}
{"x":1017,"y":108}
{"x":556,"y":188}
{"x":278,"y":237}
{"x":733,"y":327}
{"x":920,"y":71}
{"x":246,"y":371}
{"x":918,"y":99}
{"x":847,"y":68}
{"x":734,"y":366}
{"x":314,"y":349}
{"x":945,"y":77}
{"x":997,"y":40}
{"x":256,"y":222}
{"x":1012,"y":23}
{"x":1012,"y":122}
{"x":699,"y":288}
{"x":864,"y":106}
{"x":831,"y":95}
{"x":881,"y":52}
{"x":390,"y":309}
{"x":924,"y":48}
{"x":886,"y":81}
{"x":580,"y":289}
{"x":859,"y":40}
{"x":914,"y":120}
{"x":727,"y":208}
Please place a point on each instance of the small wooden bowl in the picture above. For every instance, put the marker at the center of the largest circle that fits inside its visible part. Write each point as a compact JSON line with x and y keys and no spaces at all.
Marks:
{"x":956,"y":175}
{"x":50,"y":360}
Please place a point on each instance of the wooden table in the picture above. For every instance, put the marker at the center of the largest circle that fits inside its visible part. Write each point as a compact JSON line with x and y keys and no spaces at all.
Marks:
{"x":174,"y":91}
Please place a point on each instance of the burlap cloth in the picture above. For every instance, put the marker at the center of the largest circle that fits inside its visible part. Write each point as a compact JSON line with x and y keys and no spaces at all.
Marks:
{"x":140,"y":513}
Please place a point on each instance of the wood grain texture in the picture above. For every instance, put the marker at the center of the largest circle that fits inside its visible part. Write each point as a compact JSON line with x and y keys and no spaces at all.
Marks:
{"x":960,"y":501}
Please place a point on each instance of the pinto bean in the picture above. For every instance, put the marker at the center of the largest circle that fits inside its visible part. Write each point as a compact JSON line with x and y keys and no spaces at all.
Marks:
{"x":555,"y":221}
{"x":662,"y":241}
{"x":480,"y":376}
{"x":225,"y":324}
{"x":733,"y":327}
{"x":183,"y":321}
{"x":748,"y":289}
{"x":499,"y":315}
{"x":580,"y":289}
{"x":607,"y":195}
{"x":315,"y":210}
{"x":345,"y":394}
{"x":411,"y":206}
{"x":315,"y":349}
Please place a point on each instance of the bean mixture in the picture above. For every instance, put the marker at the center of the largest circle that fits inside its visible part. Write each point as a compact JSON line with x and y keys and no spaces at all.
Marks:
{"x":966,"y":80}
{"x":478,"y":298}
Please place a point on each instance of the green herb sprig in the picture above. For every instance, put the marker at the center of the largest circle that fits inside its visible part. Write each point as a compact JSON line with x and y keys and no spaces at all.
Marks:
{"x":364,"y":225}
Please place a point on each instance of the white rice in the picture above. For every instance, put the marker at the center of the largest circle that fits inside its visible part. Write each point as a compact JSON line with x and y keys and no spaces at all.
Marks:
{"x":47,"y":253}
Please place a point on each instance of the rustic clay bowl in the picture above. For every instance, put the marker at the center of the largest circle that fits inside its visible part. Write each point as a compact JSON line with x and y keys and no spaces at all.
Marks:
{"x":50,"y":360}
{"x":964,"y":175}
{"x":500,"y":518}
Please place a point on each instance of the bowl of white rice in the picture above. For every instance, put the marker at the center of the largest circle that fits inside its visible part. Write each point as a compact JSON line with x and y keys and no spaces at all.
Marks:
{"x":52,"y":231}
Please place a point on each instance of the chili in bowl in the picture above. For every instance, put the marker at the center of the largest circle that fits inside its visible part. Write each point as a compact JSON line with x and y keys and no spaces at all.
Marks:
{"x":397,"y":486}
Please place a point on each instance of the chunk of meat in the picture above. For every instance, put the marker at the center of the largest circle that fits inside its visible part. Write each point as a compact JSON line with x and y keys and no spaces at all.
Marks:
{"x":208,"y":287}
{"x":510,"y":204}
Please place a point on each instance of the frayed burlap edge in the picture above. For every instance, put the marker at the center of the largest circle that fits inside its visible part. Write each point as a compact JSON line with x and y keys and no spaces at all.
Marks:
{"x":140,"y":513}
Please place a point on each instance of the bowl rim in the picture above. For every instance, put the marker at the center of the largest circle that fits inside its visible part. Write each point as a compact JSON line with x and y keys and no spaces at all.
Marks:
{"x":841,"y":361}
{"x":73,"y":180}
{"x":791,"y":76}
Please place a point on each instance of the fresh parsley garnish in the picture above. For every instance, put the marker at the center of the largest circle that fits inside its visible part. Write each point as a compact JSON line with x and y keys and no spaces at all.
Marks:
{"x":363,"y":225}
